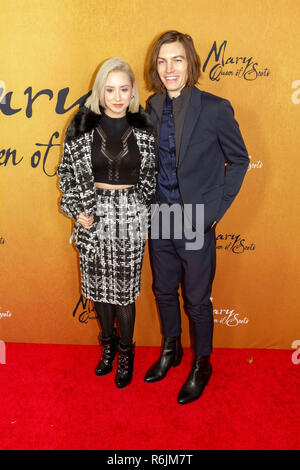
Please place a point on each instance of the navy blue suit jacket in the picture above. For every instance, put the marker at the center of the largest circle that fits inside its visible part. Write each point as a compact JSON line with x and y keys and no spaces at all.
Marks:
{"x":213,"y":158}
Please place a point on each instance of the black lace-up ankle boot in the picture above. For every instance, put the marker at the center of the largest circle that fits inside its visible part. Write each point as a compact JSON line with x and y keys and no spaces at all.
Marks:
{"x":110,"y":349}
{"x":125,"y":365}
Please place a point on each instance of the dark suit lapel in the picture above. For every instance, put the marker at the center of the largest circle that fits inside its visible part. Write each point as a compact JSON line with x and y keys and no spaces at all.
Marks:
{"x":192,"y":115}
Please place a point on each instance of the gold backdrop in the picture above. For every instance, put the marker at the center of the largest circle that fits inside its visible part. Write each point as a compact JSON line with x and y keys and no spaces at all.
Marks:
{"x":50,"y":52}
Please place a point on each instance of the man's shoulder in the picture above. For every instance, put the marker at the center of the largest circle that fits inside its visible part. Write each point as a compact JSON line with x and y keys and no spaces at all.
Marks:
{"x":156,"y":98}
{"x":197,"y":97}
{"x":209,"y":98}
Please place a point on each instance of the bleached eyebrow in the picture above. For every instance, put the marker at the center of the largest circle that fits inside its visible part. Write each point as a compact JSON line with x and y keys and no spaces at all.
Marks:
{"x":111,"y":86}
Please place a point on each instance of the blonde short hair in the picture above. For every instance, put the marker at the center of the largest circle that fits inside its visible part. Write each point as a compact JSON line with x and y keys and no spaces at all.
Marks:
{"x":97,"y":95}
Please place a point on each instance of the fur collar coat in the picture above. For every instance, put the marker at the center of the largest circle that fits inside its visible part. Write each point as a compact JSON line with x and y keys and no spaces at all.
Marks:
{"x":76,"y":180}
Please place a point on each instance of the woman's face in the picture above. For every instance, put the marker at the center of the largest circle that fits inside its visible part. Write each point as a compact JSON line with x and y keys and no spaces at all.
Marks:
{"x":118,"y":91}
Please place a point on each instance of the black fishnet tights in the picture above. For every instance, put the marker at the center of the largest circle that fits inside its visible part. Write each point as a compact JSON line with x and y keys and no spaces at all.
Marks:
{"x":126,"y":319}
{"x":106,"y":316}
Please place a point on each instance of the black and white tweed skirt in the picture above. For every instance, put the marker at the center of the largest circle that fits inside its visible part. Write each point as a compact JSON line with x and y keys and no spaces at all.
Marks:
{"x":112,"y":273}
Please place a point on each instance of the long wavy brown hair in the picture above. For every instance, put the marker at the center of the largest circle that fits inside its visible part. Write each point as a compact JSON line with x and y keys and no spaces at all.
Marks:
{"x":194,"y":66}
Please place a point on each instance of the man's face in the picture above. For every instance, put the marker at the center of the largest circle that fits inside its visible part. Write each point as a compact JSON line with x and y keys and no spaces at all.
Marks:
{"x":172,"y":67}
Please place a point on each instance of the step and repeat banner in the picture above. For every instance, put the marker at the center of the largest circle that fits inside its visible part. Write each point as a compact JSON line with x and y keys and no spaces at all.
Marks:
{"x":50,"y":54}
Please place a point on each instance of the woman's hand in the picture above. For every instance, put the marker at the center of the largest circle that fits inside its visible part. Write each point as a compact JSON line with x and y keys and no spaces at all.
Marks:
{"x":86,"y":222}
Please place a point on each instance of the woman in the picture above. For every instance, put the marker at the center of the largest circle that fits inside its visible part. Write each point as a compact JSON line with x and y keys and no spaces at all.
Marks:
{"x":107,"y":177}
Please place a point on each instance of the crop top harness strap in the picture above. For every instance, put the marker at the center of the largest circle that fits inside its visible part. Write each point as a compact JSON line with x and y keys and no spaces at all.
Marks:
{"x":115,"y":154}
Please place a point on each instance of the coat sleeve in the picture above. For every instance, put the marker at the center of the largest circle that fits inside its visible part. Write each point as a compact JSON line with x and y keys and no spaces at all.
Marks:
{"x":146,"y":184}
{"x":235,"y":155}
{"x":70,"y":201}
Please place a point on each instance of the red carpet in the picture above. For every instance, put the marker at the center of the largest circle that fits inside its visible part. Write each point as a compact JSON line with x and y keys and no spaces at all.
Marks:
{"x":51,"y":399}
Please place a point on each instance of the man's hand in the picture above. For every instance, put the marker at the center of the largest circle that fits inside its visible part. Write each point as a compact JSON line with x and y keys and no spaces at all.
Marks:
{"x":86,"y":222}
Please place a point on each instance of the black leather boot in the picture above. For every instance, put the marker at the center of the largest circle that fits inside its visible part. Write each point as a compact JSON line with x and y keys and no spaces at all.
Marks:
{"x":125,"y":365}
{"x":171,"y":355}
{"x":110,"y":349}
{"x":197,"y":380}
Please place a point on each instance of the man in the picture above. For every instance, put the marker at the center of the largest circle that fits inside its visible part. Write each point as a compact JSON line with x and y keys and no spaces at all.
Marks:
{"x":202,"y":161}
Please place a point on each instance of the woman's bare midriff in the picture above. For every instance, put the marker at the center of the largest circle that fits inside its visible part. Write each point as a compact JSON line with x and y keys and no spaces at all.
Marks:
{"x":113,"y":186}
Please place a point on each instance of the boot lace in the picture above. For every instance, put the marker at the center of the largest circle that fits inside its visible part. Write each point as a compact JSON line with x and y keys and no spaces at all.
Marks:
{"x":123,"y":363}
{"x":106,"y":355}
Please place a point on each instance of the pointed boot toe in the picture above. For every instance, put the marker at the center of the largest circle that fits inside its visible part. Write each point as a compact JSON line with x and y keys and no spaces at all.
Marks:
{"x":196,"y":382}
